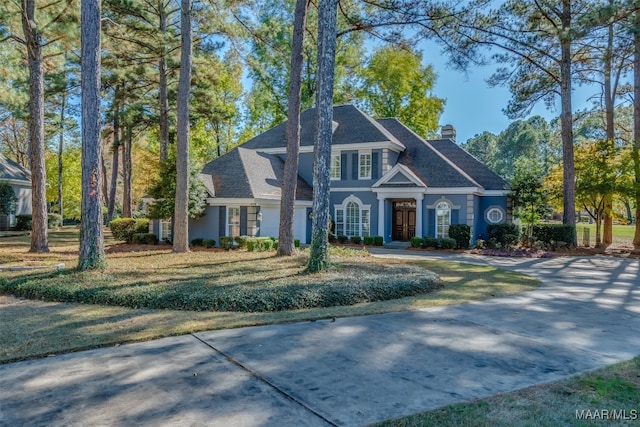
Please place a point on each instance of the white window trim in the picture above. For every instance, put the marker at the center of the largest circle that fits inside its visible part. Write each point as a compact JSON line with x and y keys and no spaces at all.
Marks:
{"x":228,"y":223}
{"x":491,"y":209}
{"x":360,"y":154}
{"x":439,"y":202}
{"x":164,"y":222}
{"x":339,"y":169}
{"x":343,"y":208}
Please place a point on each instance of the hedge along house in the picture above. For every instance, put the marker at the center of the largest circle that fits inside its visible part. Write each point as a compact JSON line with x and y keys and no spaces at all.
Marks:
{"x":19,"y":179}
{"x":385,"y":180}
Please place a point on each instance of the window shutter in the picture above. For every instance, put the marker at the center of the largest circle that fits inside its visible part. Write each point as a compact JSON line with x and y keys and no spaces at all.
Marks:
{"x":343,"y":166}
{"x":355,"y":172}
{"x":223,"y":221}
{"x":374,"y":166}
{"x":243,"y":220}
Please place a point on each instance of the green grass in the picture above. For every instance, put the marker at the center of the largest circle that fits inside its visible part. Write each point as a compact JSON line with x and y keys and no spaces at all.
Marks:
{"x":622,"y":234}
{"x":53,"y":327}
{"x":614,"y":388}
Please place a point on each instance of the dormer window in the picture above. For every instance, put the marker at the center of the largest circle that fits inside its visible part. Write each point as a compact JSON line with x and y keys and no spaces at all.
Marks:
{"x":365,"y":164}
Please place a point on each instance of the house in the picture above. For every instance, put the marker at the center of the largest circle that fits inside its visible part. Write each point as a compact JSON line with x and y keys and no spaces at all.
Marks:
{"x":385,"y":180}
{"x":19,"y":179}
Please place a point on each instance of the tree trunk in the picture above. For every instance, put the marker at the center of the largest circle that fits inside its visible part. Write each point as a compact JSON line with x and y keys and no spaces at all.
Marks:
{"x":126,"y":172}
{"x":91,"y":255}
{"x":290,"y":179}
{"x":115,"y":155}
{"x":163,"y":90}
{"x":566,"y":121}
{"x":39,"y":237}
{"x":181,"y":214}
{"x":609,"y":96}
{"x":636,"y":121}
{"x":60,"y":151}
{"x":319,"y":254}
{"x":105,"y":181}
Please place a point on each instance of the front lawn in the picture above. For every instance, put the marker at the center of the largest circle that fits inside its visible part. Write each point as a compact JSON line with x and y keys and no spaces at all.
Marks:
{"x":156,"y":278}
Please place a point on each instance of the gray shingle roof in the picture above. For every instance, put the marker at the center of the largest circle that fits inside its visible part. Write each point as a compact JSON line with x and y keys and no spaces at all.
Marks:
{"x":351,"y":126}
{"x":10,"y":170}
{"x":471,"y":165}
{"x":424,"y":160}
{"x":244,"y":173}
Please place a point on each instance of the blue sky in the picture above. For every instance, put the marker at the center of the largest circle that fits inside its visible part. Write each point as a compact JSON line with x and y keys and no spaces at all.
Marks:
{"x":472,"y":106}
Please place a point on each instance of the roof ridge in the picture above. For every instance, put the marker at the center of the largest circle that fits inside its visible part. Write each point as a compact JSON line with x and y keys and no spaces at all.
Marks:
{"x":438,"y":153}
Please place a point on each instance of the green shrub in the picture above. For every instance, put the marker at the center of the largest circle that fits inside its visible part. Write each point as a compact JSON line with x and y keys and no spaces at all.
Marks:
{"x":251,"y":244}
{"x":198,"y":241}
{"x":480,"y":244}
{"x":461,"y":233}
{"x":378,"y":241}
{"x":226,"y":242}
{"x":8,"y":199}
{"x":343,"y":239}
{"x":241,"y":241}
{"x":144,"y":239}
{"x":430,"y":242}
{"x":553,"y":234}
{"x":123,"y":229}
{"x":417,"y":242}
{"x":199,"y":294}
{"x":296,"y":243}
{"x":504,"y":233}
{"x":356,"y":240}
{"x":142,"y":225}
{"x":259,"y":244}
{"x":23,"y":222}
{"x":368,"y":240}
{"x":54,"y":220}
{"x":266,"y":243}
{"x":208,"y":243}
{"x":447,"y":243}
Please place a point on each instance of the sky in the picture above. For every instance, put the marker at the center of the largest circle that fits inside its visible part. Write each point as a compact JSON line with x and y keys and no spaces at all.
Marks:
{"x":473,"y":107}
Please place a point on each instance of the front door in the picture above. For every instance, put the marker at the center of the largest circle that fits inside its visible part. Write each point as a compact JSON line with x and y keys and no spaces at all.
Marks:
{"x":404,"y":220}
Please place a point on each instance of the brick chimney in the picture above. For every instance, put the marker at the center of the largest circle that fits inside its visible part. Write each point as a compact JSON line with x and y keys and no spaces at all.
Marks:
{"x":448,"y":131}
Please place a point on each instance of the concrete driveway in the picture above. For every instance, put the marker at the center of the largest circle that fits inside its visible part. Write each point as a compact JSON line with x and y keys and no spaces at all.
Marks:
{"x":351,"y":371}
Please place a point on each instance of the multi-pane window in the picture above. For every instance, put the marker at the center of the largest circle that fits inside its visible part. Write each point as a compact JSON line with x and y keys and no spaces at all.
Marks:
{"x":495,"y":215}
{"x":443,"y":219}
{"x":165,"y":229}
{"x":335,"y":166}
{"x":352,"y":220}
{"x":234,"y":221}
{"x":365,"y":223}
{"x":365,"y":166}
{"x":339,"y":222}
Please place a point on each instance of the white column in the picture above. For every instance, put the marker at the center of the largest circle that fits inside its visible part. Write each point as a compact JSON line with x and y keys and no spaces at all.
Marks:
{"x":419,"y":209}
{"x":381,"y":221}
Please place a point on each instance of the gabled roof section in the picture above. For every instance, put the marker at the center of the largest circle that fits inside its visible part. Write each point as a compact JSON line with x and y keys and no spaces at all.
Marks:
{"x":350,"y":126}
{"x":429,"y":165}
{"x":477,"y":170}
{"x":243,"y":173}
{"x":12,"y":171}
{"x":399,"y":176}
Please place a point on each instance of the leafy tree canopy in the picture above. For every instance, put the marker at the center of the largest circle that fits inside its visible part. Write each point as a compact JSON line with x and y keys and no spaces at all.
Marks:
{"x":164,"y":191}
{"x":396,"y":84}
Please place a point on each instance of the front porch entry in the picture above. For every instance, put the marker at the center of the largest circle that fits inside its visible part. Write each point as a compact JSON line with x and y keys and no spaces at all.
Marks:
{"x":404,"y":220}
